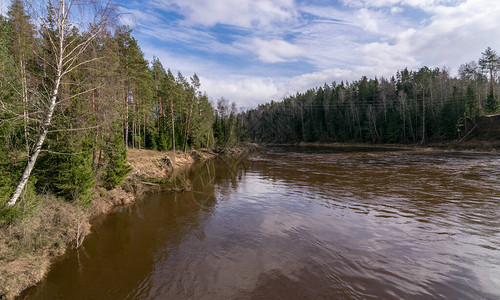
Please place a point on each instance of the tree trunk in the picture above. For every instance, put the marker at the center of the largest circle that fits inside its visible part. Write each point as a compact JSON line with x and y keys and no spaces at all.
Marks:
{"x":188,"y":124}
{"x":41,"y":139}
{"x":423,"y":117}
{"x":404,"y":121}
{"x":25,"y":106}
{"x":139,"y":138}
{"x":492,"y":80}
{"x":126,"y":118}
{"x":173,"y":122}
{"x":302,"y":121}
{"x":133,"y":134}
{"x":96,"y":136}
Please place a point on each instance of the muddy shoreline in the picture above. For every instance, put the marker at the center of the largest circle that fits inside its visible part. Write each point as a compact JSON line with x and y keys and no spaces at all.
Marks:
{"x":479,"y":146}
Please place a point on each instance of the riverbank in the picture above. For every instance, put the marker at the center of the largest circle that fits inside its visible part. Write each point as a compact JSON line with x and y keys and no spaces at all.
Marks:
{"x":28,"y":246}
{"x":457,"y":146}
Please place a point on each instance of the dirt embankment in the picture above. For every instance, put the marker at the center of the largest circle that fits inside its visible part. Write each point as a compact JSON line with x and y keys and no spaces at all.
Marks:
{"x":488,"y":129}
{"x":149,"y":167}
{"x":28,"y":247}
{"x":484,"y":136}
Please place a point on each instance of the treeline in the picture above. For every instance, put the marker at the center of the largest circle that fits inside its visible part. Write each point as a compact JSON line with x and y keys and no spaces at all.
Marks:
{"x":413,"y":106}
{"x":76,"y":92}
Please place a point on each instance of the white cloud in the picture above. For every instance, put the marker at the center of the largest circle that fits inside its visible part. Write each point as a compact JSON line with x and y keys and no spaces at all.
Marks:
{"x":133,"y":17}
{"x":4,"y":7}
{"x":242,"y":13}
{"x":453,"y":36}
{"x":367,"y":20}
{"x":311,"y":80}
{"x":187,"y":65}
{"x":190,"y":37}
{"x":327,"y":12}
{"x":245,"y":91}
{"x":275,"y":50}
{"x":422,"y":4}
{"x":219,"y":81}
{"x":396,"y":10}
{"x":128,"y":20}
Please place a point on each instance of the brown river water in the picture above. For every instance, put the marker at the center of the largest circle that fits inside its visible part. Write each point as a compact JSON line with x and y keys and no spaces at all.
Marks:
{"x":297,"y":223}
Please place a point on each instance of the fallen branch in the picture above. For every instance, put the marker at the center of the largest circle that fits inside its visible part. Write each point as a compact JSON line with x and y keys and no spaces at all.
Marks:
{"x":467,"y":134}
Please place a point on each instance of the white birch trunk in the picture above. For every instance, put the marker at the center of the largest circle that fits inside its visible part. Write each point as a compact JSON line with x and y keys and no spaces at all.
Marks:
{"x":50,"y":112}
{"x":65,"y":62}
{"x":39,"y":142}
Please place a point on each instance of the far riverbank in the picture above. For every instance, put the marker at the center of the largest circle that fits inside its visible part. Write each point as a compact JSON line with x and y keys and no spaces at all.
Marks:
{"x":468,"y":146}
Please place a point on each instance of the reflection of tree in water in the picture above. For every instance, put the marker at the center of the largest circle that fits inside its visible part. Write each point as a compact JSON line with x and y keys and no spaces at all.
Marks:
{"x":230,"y":171}
{"x":199,"y":182}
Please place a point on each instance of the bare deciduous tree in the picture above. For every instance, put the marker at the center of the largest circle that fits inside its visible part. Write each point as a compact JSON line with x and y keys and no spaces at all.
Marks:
{"x":55,"y":19}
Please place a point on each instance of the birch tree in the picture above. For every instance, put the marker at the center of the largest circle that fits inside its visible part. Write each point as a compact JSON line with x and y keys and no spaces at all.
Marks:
{"x":55,"y":19}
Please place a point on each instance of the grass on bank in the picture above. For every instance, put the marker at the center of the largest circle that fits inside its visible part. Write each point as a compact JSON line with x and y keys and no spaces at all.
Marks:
{"x":45,"y":228}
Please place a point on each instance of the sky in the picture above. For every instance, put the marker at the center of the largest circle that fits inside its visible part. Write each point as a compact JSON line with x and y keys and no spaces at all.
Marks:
{"x":254,"y":51}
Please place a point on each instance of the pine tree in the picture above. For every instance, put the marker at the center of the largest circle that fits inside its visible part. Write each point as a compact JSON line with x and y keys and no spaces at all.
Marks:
{"x":136,"y":80}
{"x":116,"y":163}
{"x":491,"y":102}
{"x":66,"y":166}
{"x":74,"y":177}
{"x":471,"y":105}
{"x":490,"y":63}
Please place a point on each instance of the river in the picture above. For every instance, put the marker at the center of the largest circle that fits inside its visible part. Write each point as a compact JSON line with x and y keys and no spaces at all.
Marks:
{"x":300,"y":223}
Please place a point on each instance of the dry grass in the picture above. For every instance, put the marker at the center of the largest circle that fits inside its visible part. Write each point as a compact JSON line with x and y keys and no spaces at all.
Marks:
{"x":27,"y":247}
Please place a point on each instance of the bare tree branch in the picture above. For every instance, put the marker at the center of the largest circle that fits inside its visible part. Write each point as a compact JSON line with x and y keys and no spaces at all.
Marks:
{"x":77,"y":129}
{"x":64,"y":63}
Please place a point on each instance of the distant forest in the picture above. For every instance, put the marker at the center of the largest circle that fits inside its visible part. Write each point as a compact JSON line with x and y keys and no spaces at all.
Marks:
{"x":76,"y":92}
{"x":410,"y":107}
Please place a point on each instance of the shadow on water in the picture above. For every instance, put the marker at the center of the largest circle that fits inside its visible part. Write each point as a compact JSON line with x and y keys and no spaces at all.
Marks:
{"x":300,"y":224}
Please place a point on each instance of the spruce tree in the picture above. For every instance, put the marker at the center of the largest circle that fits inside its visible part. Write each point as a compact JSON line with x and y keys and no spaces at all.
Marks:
{"x":471,"y":105}
{"x":116,"y":163}
{"x":491,"y":102}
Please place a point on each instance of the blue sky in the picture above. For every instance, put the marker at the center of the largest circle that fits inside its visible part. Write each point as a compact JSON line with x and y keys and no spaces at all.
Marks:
{"x":252,"y":51}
